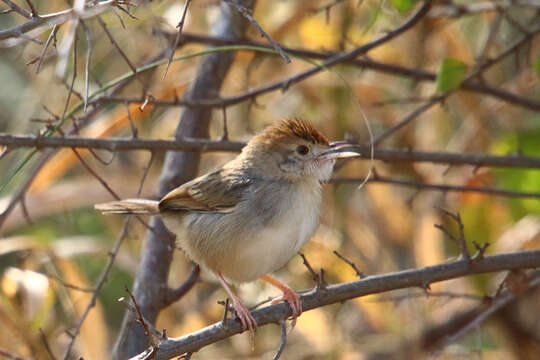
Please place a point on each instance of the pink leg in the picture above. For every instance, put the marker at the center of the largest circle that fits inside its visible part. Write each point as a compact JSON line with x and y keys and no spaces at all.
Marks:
{"x":246,"y":319}
{"x":288,"y":295}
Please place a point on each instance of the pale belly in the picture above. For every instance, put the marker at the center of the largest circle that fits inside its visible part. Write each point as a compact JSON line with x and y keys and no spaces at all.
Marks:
{"x":272,"y":247}
{"x":242,"y":250}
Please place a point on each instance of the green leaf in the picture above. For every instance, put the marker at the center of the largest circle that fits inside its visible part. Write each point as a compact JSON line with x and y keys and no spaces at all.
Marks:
{"x":403,"y":5}
{"x":537,"y":67}
{"x":451,"y":74}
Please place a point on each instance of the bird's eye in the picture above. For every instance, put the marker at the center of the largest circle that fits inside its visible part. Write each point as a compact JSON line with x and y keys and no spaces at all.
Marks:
{"x":302,"y":149}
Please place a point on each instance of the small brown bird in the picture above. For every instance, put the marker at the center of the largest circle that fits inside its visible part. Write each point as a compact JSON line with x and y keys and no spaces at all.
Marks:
{"x":250,"y":217}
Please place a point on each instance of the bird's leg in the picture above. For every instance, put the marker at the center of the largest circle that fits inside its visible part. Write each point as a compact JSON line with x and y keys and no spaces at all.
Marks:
{"x":289,"y":296}
{"x":246,"y":319}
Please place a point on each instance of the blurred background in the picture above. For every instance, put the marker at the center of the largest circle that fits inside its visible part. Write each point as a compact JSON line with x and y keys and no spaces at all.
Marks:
{"x":59,"y":240}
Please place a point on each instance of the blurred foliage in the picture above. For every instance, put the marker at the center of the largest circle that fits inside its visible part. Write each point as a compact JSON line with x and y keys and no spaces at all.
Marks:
{"x":379,"y":227}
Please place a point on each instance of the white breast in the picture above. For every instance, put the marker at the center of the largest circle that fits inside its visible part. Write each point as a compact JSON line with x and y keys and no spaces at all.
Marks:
{"x":271,"y":248}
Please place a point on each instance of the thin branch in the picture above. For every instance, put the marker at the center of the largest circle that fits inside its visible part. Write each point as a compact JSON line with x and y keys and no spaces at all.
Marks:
{"x":101,"y":281}
{"x":46,"y":46}
{"x":180,"y":27}
{"x":332,"y":61}
{"x":18,"y":9}
{"x":497,"y":304}
{"x":118,"y":48}
{"x":52,"y":19}
{"x":68,"y":285}
{"x":46,"y":344}
{"x":418,"y":74}
{"x":33,"y":10}
{"x":174,"y":295}
{"x":248,"y":15}
{"x":342,"y":292}
{"x":140,"y":319}
{"x":11,"y":356}
{"x":203,"y":145}
{"x":439,"y":187}
{"x":96,"y":175}
{"x":359,"y":273}
{"x":451,"y":9}
{"x":407,"y":119}
{"x":283,"y":343}
{"x":460,"y":240}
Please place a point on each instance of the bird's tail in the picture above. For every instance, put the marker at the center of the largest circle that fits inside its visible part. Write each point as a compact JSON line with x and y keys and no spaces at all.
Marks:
{"x":129,"y":206}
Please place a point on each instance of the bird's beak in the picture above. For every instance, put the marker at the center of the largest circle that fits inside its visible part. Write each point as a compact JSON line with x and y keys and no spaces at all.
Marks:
{"x":340,"y":150}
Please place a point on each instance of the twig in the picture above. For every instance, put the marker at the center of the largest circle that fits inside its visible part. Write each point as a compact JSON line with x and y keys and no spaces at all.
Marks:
{"x":18,"y":9}
{"x":68,"y":285}
{"x":96,"y":175}
{"x":317,"y":278}
{"x":46,"y":46}
{"x":359,"y":273}
{"x":12,"y":356}
{"x":49,"y":20}
{"x":440,"y":187}
{"x":174,"y":295}
{"x":89,"y":47}
{"x":225,"y":135}
{"x":141,"y":320}
{"x":46,"y":344}
{"x":180,"y":27}
{"x":407,"y":119}
{"x":134,"y":130}
{"x":145,"y":174}
{"x":497,"y":304}
{"x":417,"y":74}
{"x":440,"y":294}
{"x":33,"y":10}
{"x":283,"y":343}
{"x":101,"y":281}
{"x":119,"y":49}
{"x":247,"y":14}
{"x":225,"y":312}
{"x":460,"y":240}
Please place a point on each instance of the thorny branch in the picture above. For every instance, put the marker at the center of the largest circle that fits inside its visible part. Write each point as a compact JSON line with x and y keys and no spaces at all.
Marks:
{"x":49,"y":20}
{"x":341,"y":292}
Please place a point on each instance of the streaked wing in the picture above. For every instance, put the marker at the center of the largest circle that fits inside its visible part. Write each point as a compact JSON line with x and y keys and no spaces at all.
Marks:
{"x":219,"y":191}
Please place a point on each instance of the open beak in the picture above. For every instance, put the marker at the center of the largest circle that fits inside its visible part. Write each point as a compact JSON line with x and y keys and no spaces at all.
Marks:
{"x":340,"y":150}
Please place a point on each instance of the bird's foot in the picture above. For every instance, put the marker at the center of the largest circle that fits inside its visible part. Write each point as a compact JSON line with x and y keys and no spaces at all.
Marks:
{"x":294,"y":302}
{"x":244,"y":315}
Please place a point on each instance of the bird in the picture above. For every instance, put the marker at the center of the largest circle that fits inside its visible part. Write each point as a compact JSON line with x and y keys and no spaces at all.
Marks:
{"x":251,"y":216}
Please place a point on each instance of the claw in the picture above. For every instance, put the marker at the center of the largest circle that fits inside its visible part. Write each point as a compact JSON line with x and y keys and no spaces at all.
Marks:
{"x":294,"y":301}
{"x":244,"y":315}
{"x":288,"y":296}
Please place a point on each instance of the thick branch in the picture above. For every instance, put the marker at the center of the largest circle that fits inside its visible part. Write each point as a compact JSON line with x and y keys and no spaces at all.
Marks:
{"x":341,"y":292}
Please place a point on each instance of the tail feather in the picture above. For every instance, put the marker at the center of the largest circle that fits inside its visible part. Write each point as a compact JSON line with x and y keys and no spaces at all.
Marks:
{"x":129,"y":206}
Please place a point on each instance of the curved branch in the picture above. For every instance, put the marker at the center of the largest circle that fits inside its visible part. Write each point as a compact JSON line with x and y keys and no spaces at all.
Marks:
{"x":394,"y":69}
{"x":341,"y":292}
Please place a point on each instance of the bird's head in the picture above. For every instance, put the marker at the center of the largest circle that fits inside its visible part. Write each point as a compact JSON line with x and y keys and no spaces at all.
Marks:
{"x":294,"y":149}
